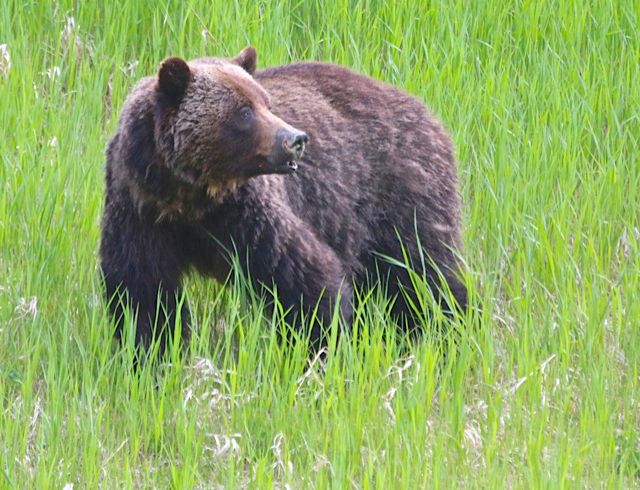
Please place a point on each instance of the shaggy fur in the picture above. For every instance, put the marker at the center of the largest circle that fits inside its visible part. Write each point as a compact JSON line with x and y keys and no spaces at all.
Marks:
{"x":188,"y":176}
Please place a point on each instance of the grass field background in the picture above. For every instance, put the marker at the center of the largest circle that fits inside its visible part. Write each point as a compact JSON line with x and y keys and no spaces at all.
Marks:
{"x":542,"y":100}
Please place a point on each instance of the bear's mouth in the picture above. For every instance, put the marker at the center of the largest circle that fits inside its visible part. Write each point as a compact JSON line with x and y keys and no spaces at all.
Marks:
{"x":288,"y":167}
{"x":266,"y":167}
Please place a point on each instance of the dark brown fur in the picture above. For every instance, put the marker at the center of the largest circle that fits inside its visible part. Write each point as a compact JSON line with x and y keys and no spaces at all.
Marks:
{"x":179,"y":188}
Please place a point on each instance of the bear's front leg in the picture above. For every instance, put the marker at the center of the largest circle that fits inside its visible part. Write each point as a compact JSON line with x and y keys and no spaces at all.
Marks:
{"x":306,"y":271}
{"x":141,"y":264}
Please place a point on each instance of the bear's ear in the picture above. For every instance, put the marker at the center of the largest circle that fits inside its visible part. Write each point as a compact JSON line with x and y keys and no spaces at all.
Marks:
{"x":247,"y":59}
{"x":174,"y":76}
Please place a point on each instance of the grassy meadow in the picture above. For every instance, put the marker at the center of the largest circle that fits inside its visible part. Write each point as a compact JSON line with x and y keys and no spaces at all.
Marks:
{"x":542,"y":99}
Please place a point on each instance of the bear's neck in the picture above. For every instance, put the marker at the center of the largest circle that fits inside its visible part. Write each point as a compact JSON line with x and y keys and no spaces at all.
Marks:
{"x":219,"y":191}
{"x":172,"y":201}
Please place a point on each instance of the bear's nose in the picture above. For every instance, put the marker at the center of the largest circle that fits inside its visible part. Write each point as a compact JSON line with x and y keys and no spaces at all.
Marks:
{"x":294,"y":143}
{"x":300,"y":140}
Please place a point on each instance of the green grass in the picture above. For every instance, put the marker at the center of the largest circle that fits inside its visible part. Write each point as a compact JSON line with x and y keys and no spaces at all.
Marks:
{"x":542,"y":100}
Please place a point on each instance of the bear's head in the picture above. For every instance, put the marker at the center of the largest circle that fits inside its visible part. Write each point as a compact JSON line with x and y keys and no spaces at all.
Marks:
{"x":213,"y":123}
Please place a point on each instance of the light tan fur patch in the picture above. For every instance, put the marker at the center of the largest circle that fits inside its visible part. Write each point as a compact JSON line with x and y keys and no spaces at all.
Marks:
{"x":218,"y":191}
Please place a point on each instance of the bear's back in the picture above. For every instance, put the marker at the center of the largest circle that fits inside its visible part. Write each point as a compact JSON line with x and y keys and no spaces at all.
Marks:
{"x":375,"y":155}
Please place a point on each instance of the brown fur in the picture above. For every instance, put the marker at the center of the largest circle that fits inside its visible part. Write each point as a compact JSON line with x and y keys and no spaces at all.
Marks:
{"x":184,"y":183}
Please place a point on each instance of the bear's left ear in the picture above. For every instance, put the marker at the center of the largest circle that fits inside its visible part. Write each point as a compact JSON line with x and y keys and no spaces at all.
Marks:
{"x":247,"y":59}
{"x":174,"y":76}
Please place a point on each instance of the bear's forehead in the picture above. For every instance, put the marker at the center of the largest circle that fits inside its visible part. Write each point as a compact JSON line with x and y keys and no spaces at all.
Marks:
{"x":232,"y":78}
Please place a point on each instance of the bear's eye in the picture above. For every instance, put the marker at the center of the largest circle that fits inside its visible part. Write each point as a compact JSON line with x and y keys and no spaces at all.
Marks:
{"x":246,"y":114}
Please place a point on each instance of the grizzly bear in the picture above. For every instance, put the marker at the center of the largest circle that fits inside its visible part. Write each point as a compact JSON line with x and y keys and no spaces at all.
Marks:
{"x":312,"y":173}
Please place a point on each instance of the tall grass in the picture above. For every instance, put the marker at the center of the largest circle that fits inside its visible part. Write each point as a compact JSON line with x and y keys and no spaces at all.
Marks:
{"x":542,"y":101}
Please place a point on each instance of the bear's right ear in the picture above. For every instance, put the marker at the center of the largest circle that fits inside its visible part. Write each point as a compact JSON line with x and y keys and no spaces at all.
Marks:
{"x":174,"y":76}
